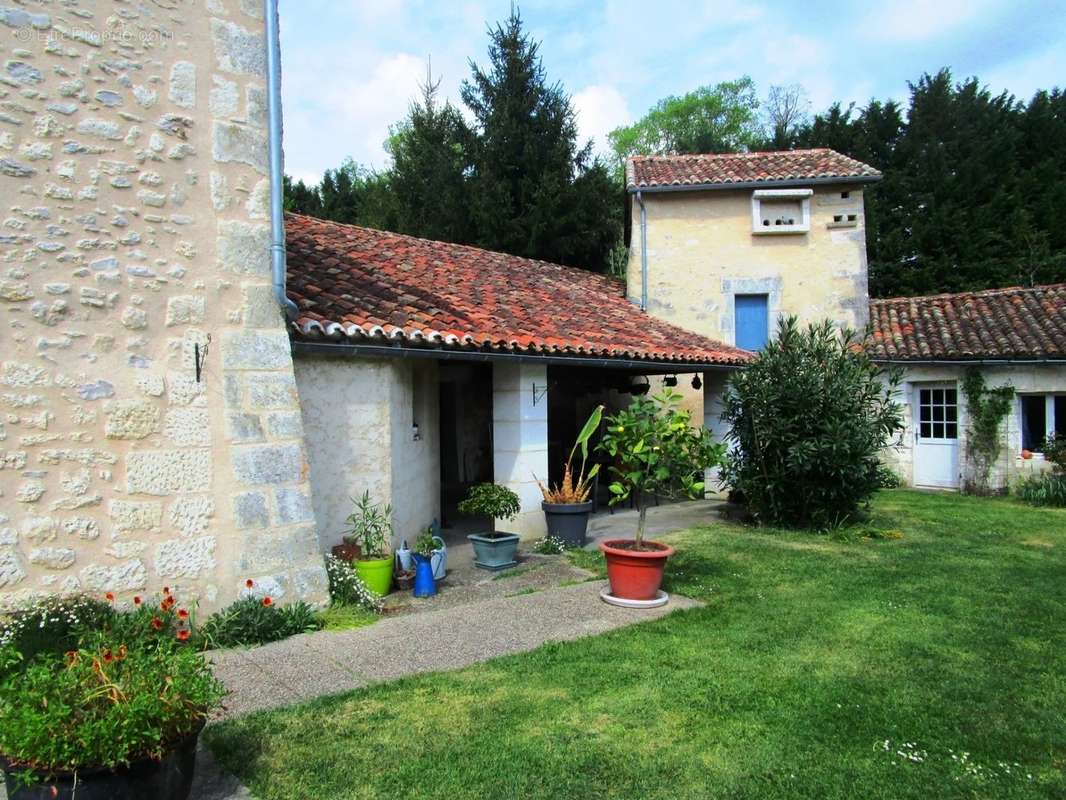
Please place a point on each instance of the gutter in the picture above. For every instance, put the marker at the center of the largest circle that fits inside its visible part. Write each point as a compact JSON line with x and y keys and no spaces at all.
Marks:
{"x":643,"y":253}
{"x":396,"y":351}
{"x":709,"y":187}
{"x":971,"y":362}
{"x":277,"y":216}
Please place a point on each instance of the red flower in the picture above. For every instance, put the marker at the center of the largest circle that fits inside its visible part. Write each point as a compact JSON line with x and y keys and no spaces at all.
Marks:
{"x":168,"y":603}
{"x":183,"y":636}
{"x":107,"y":655}
{"x":183,"y":614}
{"x":110,"y":597}
{"x":72,"y":656}
{"x":136,"y":599}
{"x":249,"y":583}
{"x":157,"y":623}
{"x":166,"y":590}
{"x":268,"y":602}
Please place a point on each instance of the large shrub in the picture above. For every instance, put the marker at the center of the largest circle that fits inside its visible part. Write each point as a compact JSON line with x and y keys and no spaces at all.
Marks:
{"x":807,"y":420}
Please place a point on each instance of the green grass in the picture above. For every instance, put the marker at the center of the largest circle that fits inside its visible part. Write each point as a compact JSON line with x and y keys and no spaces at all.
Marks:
{"x":811,"y":653}
{"x":345,"y":618}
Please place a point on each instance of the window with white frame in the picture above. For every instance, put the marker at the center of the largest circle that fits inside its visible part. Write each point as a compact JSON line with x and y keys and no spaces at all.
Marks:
{"x":1043,"y":416}
{"x":777,"y":211}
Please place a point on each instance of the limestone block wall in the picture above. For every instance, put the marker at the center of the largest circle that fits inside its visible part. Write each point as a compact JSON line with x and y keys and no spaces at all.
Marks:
{"x":133,"y":244}
{"x":1025,"y":378}
{"x":357,"y":416}
{"x":701,"y":253}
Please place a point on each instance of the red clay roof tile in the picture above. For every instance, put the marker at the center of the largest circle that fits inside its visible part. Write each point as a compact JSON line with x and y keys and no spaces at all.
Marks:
{"x":723,"y":169}
{"x":1014,"y":323}
{"x":421,"y":291}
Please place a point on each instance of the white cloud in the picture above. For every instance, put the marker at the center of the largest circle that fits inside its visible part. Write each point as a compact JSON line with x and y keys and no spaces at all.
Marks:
{"x":918,"y":20}
{"x":600,"y":109}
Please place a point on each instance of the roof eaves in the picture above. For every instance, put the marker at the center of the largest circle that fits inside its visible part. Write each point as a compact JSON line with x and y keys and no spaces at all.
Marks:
{"x":633,"y":188}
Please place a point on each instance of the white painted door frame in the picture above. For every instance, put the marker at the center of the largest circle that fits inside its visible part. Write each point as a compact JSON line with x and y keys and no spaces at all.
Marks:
{"x":936,"y":421}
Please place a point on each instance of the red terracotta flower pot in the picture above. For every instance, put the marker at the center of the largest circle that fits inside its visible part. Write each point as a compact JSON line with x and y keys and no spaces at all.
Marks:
{"x":635,"y":574}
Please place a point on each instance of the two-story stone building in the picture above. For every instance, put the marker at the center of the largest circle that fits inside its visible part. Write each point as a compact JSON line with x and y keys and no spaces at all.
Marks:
{"x":724,"y":245}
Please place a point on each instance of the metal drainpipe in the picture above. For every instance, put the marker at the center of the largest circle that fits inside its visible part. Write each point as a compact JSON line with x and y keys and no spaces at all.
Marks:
{"x":277,"y":216}
{"x":643,"y":254}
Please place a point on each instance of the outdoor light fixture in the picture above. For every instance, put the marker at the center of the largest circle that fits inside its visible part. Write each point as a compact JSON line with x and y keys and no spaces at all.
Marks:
{"x":638,"y":389}
{"x":696,"y":382}
{"x":670,"y":380}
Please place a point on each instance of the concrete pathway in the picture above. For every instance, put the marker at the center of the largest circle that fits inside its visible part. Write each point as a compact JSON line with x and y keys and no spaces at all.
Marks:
{"x":310,"y":665}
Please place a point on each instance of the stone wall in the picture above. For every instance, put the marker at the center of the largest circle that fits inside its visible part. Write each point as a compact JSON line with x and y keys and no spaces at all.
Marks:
{"x":1025,"y":378}
{"x":134,"y":241}
{"x":701,"y":253}
{"x":358,"y":414}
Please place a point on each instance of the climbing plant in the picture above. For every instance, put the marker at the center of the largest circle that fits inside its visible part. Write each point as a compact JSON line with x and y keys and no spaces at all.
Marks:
{"x":986,"y":408}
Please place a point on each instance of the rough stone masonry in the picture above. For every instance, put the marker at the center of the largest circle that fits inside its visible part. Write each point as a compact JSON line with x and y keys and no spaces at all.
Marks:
{"x":134,"y":236}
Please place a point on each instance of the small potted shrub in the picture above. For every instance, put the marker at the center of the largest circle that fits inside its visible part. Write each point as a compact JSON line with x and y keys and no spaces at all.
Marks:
{"x":371,"y":529}
{"x":656,"y":452}
{"x":494,"y":550}
{"x":425,"y":583}
{"x":113,"y":710}
{"x":566,"y":505}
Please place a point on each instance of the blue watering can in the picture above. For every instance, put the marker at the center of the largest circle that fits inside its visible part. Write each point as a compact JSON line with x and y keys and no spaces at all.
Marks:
{"x":425,"y":584}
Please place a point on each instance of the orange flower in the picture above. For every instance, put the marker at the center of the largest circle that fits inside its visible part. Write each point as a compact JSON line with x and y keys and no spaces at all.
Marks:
{"x":108,"y":655}
{"x":110,"y":597}
{"x":183,"y":614}
{"x":157,"y":623}
{"x":136,"y":599}
{"x":183,"y":636}
{"x":249,"y":583}
{"x":122,"y":652}
{"x":168,"y":603}
{"x":166,"y":590}
{"x":72,"y":656}
{"x":268,"y":602}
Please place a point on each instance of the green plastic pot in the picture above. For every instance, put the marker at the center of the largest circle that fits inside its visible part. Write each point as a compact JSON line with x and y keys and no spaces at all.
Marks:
{"x":376,"y":573}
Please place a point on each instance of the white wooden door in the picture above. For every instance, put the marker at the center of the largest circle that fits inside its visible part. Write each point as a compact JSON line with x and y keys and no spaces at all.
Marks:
{"x":936,"y":435}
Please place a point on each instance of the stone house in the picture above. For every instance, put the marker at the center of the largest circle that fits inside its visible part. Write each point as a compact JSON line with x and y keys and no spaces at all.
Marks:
{"x":165,"y":424}
{"x":724,"y":245}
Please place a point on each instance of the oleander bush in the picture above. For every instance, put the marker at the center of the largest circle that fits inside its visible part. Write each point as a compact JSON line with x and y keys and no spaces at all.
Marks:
{"x":807,"y":420}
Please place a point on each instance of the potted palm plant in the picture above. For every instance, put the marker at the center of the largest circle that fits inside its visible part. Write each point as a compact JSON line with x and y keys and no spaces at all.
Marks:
{"x":494,"y":550}
{"x":566,"y":505}
{"x":657,"y":452}
{"x":371,"y":530}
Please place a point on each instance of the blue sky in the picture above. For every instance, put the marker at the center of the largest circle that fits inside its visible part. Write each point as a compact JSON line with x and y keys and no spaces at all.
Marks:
{"x":350,"y":67}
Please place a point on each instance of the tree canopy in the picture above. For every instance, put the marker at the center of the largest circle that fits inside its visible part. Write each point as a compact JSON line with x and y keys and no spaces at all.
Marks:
{"x":974,"y":186}
{"x":711,"y":119}
{"x":516,"y":179}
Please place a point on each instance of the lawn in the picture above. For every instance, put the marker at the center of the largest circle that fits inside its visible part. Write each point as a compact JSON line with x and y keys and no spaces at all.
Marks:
{"x":856,"y":666}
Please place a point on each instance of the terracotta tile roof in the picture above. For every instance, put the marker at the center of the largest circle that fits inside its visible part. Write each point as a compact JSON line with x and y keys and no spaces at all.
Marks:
{"x":358,"y":284}
{"x":650,"y":172}
{"x":1015,"y":323}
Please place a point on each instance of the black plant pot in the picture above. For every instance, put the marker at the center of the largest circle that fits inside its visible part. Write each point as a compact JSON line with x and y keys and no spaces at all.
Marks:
{"x":168,"y":779}
{"x":568,"y":521}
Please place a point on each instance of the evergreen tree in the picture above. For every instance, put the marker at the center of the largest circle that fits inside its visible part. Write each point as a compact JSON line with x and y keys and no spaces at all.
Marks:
{"x":430,"y":160}
{"x":533,"y":191}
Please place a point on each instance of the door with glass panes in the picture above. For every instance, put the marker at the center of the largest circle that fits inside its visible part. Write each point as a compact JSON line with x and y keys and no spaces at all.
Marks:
{"x":936,"y":435}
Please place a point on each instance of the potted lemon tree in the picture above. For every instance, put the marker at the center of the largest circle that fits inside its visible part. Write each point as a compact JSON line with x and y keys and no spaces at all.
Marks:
{"x":657,"y":452}
{"x":493,"y":550}
{"x":566,"y":505}
{"x":371,"y":529}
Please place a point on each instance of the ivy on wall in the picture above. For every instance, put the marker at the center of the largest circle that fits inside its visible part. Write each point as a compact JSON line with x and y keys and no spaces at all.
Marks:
{"x":986,"y":410}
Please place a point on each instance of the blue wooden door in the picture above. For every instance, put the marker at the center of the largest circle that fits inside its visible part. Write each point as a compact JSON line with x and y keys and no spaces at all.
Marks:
{"x":752,"y":316}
